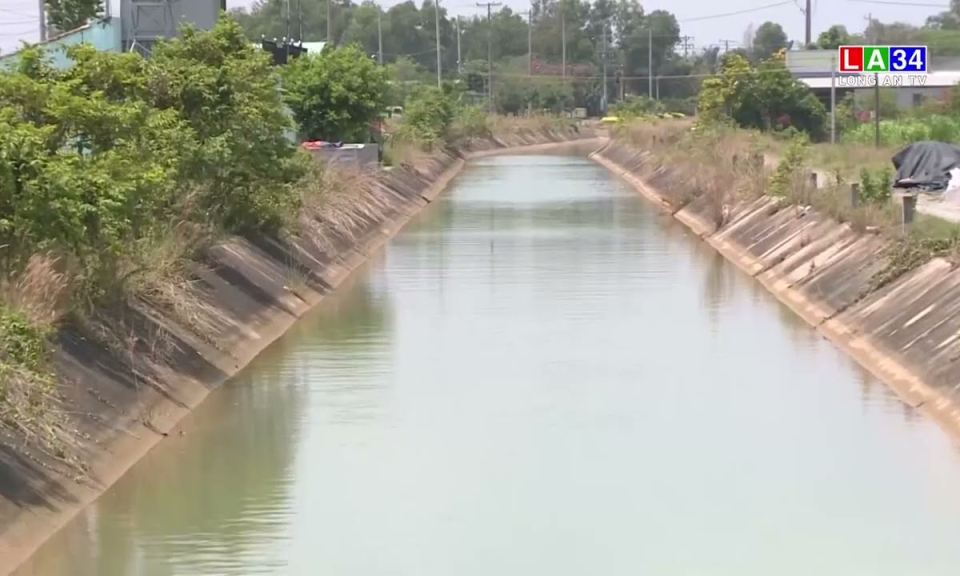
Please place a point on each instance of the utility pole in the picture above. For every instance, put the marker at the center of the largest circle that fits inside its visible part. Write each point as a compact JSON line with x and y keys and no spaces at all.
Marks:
{"x":807,"y":14}
{"x":650,"y":62}
{"x":489,"y":6}
{"x":833,"y":99}
{"x":726,"y":44}
{"x":379,"y":37}
{"x":43,"y":20}
{"x":329,"y":23}
{"x":603,"y":56}
{"x":436,"y":12}
{"x":300,"y":21}
{"x":459,"y":66}
{"x":876,"y":91}
{"x":563,"y":40}
{"x":687,"y":45}
{"x":529,"y":42}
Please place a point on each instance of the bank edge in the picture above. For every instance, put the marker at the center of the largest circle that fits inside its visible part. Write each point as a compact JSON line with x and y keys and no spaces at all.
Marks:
{"x":906,"y":333}
{"x":248,"y":282}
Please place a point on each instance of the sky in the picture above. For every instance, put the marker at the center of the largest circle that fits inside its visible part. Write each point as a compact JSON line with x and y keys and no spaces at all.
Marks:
{"x":700,"y":19}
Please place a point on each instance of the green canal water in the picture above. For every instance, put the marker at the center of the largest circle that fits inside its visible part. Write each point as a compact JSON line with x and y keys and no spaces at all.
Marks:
{"x":539,"y":375}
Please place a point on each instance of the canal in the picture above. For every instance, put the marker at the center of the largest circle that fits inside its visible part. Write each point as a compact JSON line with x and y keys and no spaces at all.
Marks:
{"x":540,"y":375}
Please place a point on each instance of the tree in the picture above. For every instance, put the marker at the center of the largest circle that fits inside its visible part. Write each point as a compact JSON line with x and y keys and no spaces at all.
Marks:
{"x":769,"y":39}
{"x":427,"y":115}
{"x":833,"y":37}
{"x":766,"y":97}
{"x":65,"y":15}
{"x":947,"y":20}
{"x":336,"y":94}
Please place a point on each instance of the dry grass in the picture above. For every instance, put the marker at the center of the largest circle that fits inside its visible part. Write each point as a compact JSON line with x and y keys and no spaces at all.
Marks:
{"x":340,"y":204}
{"x":844,"y":159}
{"x":32,"y":301}
{"x":39,"y":292}
{"x":161,"y":273}
{"x":506,"y":125}
{"x":719,"y":169}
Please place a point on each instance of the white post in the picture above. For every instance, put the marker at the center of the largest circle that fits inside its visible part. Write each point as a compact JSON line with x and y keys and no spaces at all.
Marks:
{"x":833,"y":100}
{"x":650,"y":62}
{"x":436,"y":11}
{"x":43,"y":21}
{"x":379,"y":38}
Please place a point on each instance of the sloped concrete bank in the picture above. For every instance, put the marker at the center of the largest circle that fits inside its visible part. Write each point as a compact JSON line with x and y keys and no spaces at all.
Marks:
{"x":125,"y":398}
{"x":906,"y":332}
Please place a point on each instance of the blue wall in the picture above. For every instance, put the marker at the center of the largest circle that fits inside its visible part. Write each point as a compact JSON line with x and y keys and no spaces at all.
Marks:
{"x":105,"y":34}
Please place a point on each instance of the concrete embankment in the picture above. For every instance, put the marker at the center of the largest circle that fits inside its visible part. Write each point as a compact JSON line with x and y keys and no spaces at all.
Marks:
{"x":126,"y":394}
{"x":906,"y":332}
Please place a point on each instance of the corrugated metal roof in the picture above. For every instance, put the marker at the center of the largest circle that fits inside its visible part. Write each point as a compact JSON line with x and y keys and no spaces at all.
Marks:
{"x":314,"y":46}
{"x":932,"y":80}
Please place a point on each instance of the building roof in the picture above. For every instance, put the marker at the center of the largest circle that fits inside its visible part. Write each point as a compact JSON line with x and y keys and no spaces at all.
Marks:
{"x":945,"y":79}
{"x":314,"y":47}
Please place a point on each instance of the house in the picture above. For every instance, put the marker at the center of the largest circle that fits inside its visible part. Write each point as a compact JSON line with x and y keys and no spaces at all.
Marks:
{"x":131,"y":25}
{"x":818,"y":70}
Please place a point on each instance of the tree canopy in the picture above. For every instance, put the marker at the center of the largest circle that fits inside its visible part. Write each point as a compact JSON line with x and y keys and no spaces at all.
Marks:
{"x":336,"y":94}
{"x":64,"y":15}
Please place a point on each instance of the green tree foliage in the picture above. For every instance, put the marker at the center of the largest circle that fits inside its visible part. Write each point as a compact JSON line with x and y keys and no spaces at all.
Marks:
{"x":335,"y":95}
{"x":408,"y":32}
{"x":946,"y":20}
{"x":769,"y":39}
{"x":765,"y":97}
{"x":116,"y":148}
{"x":427,"y":115}
{"x":66,"y":15}
{"x":833,"y":37}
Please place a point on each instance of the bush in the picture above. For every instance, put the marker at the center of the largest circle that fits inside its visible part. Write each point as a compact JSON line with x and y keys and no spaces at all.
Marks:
{"x":765,"y":97}
{"x":876,"y":187}
{"x":471,"y":122}
{"x":907,"y":130}
{"x":637,"y":106}
{"x":427,"y":116}
{"x":790,"y":169}
{"x":335,"y":95}
{"x":100,"y":162}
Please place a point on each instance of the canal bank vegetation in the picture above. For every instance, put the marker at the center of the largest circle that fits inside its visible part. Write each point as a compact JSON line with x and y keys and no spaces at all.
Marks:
{"x":115,"y":175}
{"x":119,"y":177}
{"x":434,"y":118}
{"x":726,"y":168}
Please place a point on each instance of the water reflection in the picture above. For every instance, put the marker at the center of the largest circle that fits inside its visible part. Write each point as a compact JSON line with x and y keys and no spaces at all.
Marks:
{"x":219,"y":496}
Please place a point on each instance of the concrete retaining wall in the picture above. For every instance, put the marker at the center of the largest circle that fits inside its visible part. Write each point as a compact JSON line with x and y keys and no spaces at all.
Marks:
{"x":356,"y":156}
{"x":127,"y":399}
{"x":907,"y":333}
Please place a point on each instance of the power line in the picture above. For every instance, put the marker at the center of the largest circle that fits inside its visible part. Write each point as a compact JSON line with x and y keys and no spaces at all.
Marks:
{"x":895,"y":3}
{"x":738,"y":12}
{"x":18,"y":13}
{"x":662,"y":77}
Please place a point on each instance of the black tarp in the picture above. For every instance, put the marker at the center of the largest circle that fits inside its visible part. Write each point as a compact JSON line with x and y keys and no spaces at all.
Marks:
{"x":926,"y":164}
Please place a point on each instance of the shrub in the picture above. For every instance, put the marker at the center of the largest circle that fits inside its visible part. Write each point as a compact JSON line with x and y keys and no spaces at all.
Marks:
{"x":790,"y":168}
{"x":471,"y":122}
{"x":335,"y":95}
{"x":427,"y":115}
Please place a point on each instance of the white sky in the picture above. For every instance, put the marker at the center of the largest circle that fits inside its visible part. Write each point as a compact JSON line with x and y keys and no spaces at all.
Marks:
{"x":19,"y":20}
